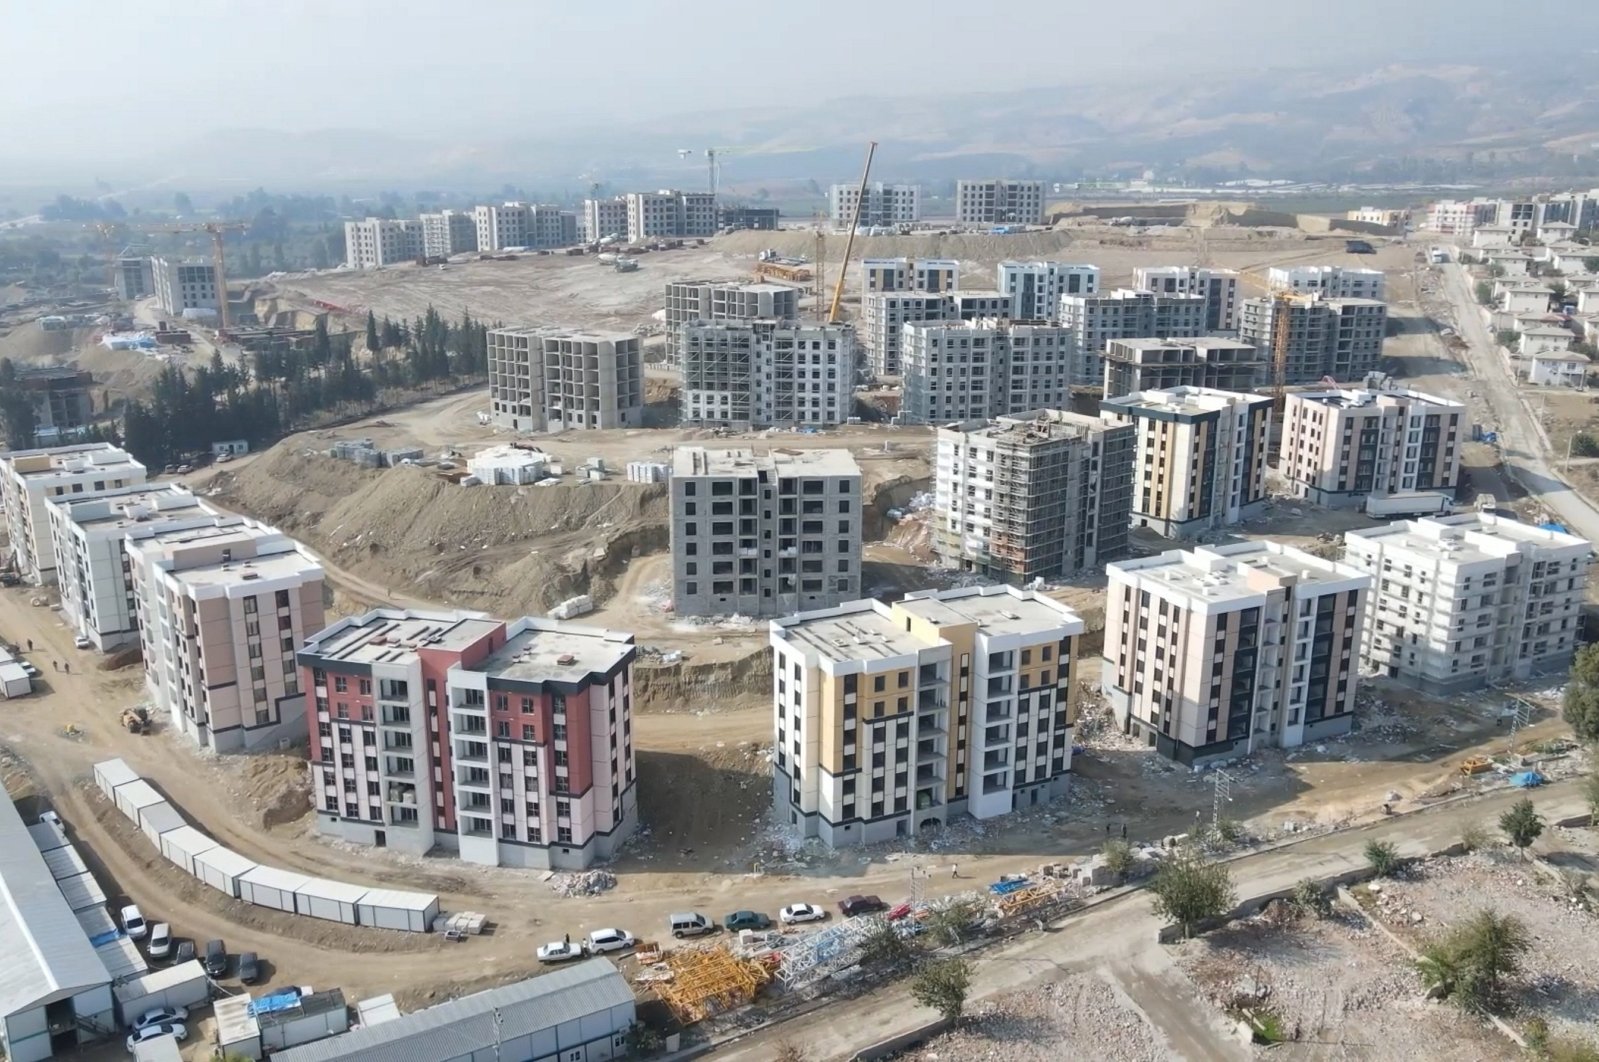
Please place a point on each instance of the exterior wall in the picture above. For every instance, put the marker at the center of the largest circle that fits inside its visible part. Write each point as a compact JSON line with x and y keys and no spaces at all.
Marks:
{"x":592,"y":382}
{"x":1340,"y":338}
{"x":448,"y":232}
{"x":184,"y":284}
{"x":765,"y":373}
{"x":670,"y":214}
{"x":378,"y":242}
{"x":1095,"y":320}
{"x":984,"y":368}
{"x":135,"y":277}
{"x":886,"y":204}
{"x":882,"y":316}
{"x":688,"y":301}
{"x":999,"y":201}
{"x":500,"y":227}
{"x":909,"y":274}
{"x":516,"y":378}
{"x":1133,"y":365}
{"x":1330,"y":282}
{"x":604,"y":217}
{"x":1218,"y":286}
{"x":1340,"y":448}
{"x":1036,"y":288}
{"x":31,"y":478}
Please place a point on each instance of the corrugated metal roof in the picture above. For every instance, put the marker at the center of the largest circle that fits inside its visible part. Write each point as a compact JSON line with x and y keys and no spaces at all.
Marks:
{"x":47,"y":835}
{"x":326,"y":889}
{"x":82,"y":891}
{"x":95,"y":921}
{"x":122,"y":959}
{"x":457,"y":1028}
{"x":161,"y":1049}
{"x":65,"y":862}
{"x":160,"y":979}
{"x":274,"y":878}
{"x":46,"y":955}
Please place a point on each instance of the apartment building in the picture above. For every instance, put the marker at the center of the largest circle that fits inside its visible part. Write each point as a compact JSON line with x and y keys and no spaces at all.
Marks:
{"x":1214,"y":652}
{"x":604,"y":217}
{"x":135,"y":277}
{"x":972,"y":303}
{"x":1392,"y":218}
{"x":909,"y":274}
{"x":764,"y":534}
{"x":1095,"y":320}
{"x":885,"y":204}
{"x":89,"y":536}
{"x":29,"y":479}
{"x":536,"y":225}
{"x":516,"y":377}
{"x":1464,"y":601}
{"x":448,"y":232}
{"x":1039,"y":495}
{"x":974,"y":370}
{"x":60,"y":397}
{"x":999,"y":201}
{"x":185,"y":284}
{"x":671,"y":214}
{"x":1340,"y":338}
{"x":1035,"y":288}
{"x":760,"y":373}
{"x":1330,"y":282}
{"x":222,"y":607}
{"x":892,"y":718}
{"x":1148,"y":364}
{"x":1201,"y":457}
{"x":1388,"y":450}
{"x":378,"y":242}
{"x":1451,"y":217}
{"x":549,"y":380}
{"x":883,"y":315}
{"x":1218,"y":286}
{"x":509,"y":743}
{"x":703,"y":300}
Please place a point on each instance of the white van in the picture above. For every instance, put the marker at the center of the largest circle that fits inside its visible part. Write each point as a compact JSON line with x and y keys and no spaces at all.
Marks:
{"x":692,"y":924}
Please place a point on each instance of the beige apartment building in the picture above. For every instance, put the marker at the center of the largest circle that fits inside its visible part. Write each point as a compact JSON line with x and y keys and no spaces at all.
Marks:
{"x":1218,"y":651}
{"x":29,"y":479}
{"x":1201,"y":457}
{"x":222,"y":608}
{"x":889,"y":719}
{"x":1391,"y":451}
{"x":1153,"y":364}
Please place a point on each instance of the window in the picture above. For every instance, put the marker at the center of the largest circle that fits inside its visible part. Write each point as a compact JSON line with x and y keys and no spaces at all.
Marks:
{"x":249,"y":606}
{"x":283,"y":599}
{"x":527,"y":732}
{"x":341,"y":684}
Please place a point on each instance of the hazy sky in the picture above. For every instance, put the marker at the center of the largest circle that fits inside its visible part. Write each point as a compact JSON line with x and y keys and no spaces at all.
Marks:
{"x":101,"y":76}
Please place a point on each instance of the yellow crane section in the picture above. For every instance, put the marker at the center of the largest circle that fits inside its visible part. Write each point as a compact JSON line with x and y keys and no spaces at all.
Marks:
{"x":1283,"y":300}
{"x":849,"y":244}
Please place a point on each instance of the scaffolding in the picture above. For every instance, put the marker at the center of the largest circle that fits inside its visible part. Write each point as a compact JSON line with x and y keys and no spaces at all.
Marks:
{"x":707,"y":981}
{"x":817,"y":955}
{"x":1033,"y":899}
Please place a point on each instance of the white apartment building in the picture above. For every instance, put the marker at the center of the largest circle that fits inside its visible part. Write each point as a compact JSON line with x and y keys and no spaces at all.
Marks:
{"x":185,"y":284}
{"x":31,"y":478}
{"x":882,"y":316}
{"x":378,"y":242}
{"x":891,"y":718}
{"x":999,"y":201}
{"x":671,"y":214}
{"x":1036,"y":288}
{"x":1464,"y":601}
{"x":1388,"y":217}
{"x":1201,"y":457}
{"x":509,"y":743}
{"x":221,"y":610}
{"x":886,"y":204}
{"x":1214,"y":652}
{"x":1450,"y":217}
{"x":90,"y":537}
{"x":1094,"y":320}
{"x":703,"y":300}
{"x":764,"y":534}
{"x":500,"y":227}
{"x":604,"y":217}
{"x":767,"y":373}
{"x":974,"y":370}
{"x":1218,"y":286}
{"x":448,"y":232}
{"x":1391,"y":450}
{"x":909,"y":274}
{"x":1330,"y":282}
{"x":550,"y":380}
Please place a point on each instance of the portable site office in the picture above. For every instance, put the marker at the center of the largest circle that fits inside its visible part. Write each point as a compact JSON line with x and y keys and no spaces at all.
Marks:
{"x":184,"y":985}
{"x":96,"y":922}
{"x":158,"y":819}
{"x":109,"y":774}
{"x":221,"y":869}
{"x":412,"y":912}
{"x":135,"y":797}
{"x":181,"y":845}
{"x":271,"y":887}
{"x":333,"y":900}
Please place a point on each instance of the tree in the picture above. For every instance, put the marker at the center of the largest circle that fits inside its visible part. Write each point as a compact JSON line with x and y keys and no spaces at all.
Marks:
{"x":372,"y":343}
{"x":1584,"y":444}
{"x":942,"y":985}
{"x":1485,"y":293}
{"x":1581,"y":708}
{"x":643,"y":1040}
{"x":182,"y":203}
{"x":1383,"y":857}
{"x":1591,"y":264}
{"x":1310,"y":898}
{"x":1590,"y":793}
{"x":1522,"y":824}
{"x":883,"y":946}
{"x":1118,"y":857}
{"x":789,"y":1051}
{"x":1189,"y":888}
{"x":1471,"y":963}
{"x":948,"y":925}
{"x":1507,"y":337}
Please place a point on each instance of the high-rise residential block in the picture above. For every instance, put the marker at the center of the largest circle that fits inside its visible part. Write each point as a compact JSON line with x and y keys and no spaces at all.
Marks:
{"x":999,"y":201}
{"x":1218,"y":286}
{"x":185,"y":284}
{"x":973,"y":370}
{"x":222,"y":608}
{"x":1463,"y":601}
{"x":536,"y":225}
{"x":1035,"y":288}
{"x":1147,"y":364}
{"x":604,"y":217}
{"x":1337,"y":338}
{"x":1389,"y":450}
{"x":892,"y":718}
{"x":135,"y":276}
{"x":509,"y":743}
{"x":1201,"y":457}
{"x":701,"y":300}
{"x":378,"y":242}
{"x":1039,"y":495}
{"x":546,"y":380}
{"x":882,"y":316}
{"x":763,"y":373}
{"x":31,"y":478}
{"x":1218,"y":651}
{"x":448,"y":232}
{"x":1330,"y":282}
{"x":885,"y":204}
{"x":1095,"y":320}
{"x":764,"y":534}
{"x":670,"y":213}
{"x":909,"y":274}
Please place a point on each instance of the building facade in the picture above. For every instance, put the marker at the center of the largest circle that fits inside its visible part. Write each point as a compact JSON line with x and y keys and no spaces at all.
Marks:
{"x":378,"y":242}
{"x":30,"y":479}
{"x":509,"y":743}
{"x":1337,"y":338}
{"x":892,"y":718}
{"x":59,"y":394}
{"x":1330,"y":282}
{"x":1039,"y":495}
{"x":700,"y":300}
{"x":909,"y":274}
{"x":448,"y":232}
{"x":765,"y":373}
{"x":1036,"y":288}
{"x":516,"y":378}
{"x":604,"y":217}
{"x":500,"y":227}
{"x":1157,"y":364}
{"x":885,"y":204}
{"x":882,"y":316}
{"x":671,"y":214}
{"x":185,"y":284}
{"x":1218,"y":651}
{"x":764,"y":534}
{"x":999,"y":201}
{"x":549,"y":380}
{"x":1218,"y":286}
{"x":1201,"y":457}
{"x":1341,"y":448}
{"x":135,"y":276}
{"x":1464,"y":601}
{"x":975,"y":370}
{"x":1095,"y":320}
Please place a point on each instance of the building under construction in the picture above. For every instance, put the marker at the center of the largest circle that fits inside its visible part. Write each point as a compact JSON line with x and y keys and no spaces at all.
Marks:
{"x":742,"y":374}
{"x":1037,"y":495}
{"x":703,"y":300}
{"x":1337,"y":338}
{"x":1153,"y":364}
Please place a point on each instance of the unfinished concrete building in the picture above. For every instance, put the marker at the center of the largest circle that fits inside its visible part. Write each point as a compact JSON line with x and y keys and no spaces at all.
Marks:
{"x":1039,"y":495}
{"x":135,"y":275}
{"x":544,"y":380}
{"x":448,"y":232}
{"x":1151,"y":364}
{"x":882,"y":316}
{"x":704,"y":300}
{"x":670,"y":213}
{"x":999,"y":201}
{"x":1340,"y":338}
{"x":742,"y":374}
{"x":1218,"y":286}
{"x":764,"y":534}
{"x":516,"y":377}
{"x":974,"y":370}
{"x":1095,"y":320}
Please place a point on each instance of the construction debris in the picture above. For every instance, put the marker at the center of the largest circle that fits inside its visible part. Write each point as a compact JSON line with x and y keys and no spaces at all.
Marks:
{"x":707,"y":981}
{"x":584,"y":883}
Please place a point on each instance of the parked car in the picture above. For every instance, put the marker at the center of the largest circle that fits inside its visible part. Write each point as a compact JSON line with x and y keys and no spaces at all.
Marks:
{"x":175,"y":1029}
{"x":160,"y":940}
{"x":861,"y":905}
{"x":795,"y":913}
{"x":746,"y":920}
{"x":216,"y":958}
{"x":53,"y":819}
{"x":689,"y":924}
{"x":249,"y":967}
{"x":602,"y":940}
{"x":560,"y":951}
{"x":160,"y":1016}
{"x":81,"y":642}
{"x":133,"y":923}
{"x":184,"y":952}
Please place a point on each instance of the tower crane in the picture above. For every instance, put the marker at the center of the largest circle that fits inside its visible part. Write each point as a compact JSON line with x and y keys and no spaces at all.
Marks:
{"x":218,"y":231}
{"x":712,"y":165}
{"x":849,"y":243}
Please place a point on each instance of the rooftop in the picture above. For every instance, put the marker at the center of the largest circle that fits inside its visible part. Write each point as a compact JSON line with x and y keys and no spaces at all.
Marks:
{"x":542,"y":650}
{"x":1467,"y":537}
{"x":699,"y":461}
{"x":1231,"y":572}
{"x":81,"y":458}
{"x":1033,"y":427}
{"x":1182,"y":400}
{"x":859,"y":630}
{"x":997,"y":609}
{"x":131,"y":506}
{"x":387,"y":634}
{"x":1353,"y":397}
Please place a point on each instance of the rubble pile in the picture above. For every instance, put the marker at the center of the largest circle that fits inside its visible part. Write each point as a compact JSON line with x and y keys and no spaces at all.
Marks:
{"x":1078,"y":1016}
{"x":584,"y":883}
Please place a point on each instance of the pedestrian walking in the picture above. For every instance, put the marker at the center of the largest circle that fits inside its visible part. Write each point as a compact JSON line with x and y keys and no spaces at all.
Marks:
{"x":1124,"y":831}
{"x":66,"y":667}
{"x":30,"y":645}
{"x":55,"y":665}
{"x":1107,"y":829}
{"x":954,"y":870}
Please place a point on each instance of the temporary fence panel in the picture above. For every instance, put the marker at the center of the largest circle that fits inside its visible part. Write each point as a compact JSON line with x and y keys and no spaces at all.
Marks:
{"x":221,"y":868}
{"x":97,"y":923}
{"x":108,"y":774}
{"x":333,"y":900}
{"x":134,"y":797}
{"x":158,"y":819}
{"x":47,"y":836}
{"x":122,"y":959}
{"x":271,"y":887}
{"x":184,"y":985}
{"x":412,"y":912}
{"x":82,"y":891}
{"x":181,"y":845}
{"x":65,"y":863}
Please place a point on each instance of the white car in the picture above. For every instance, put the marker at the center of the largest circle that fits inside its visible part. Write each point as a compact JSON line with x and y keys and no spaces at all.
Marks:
{"x":81,"y":642}
{"x":161,"y":1016}
{"x":560,"y":951}
{"x":160,"y":940}
{"x":602,"y":940}
{"x":53,"y":819}
{"x":133,"y":923}
{"x":175,"y":1029}
{"x":795,"y":913}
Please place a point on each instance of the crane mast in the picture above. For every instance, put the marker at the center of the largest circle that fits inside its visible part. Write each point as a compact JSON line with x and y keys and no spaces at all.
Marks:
{"x":849,"y":243}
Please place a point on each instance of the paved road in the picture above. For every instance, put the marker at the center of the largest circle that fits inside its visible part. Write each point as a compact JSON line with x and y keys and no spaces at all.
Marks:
{"x":1117,"y":940}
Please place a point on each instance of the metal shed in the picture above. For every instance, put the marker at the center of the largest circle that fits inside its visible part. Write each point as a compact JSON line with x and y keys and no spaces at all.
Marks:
{"x":134,"y":797}
{"x":412,"y":912}
{"x":221,"y":868}
{"x":108,"y":774}
{"x":270,"y":887}
{"x":173,"y":986}
{"x":97,"y":923}
{"x":181,"y":845}
{"x":82,"y":891}
{"x":47,"y":835}
{"x":122,"y":959}
{"x":333,"y":900}
{"x":158,"y":819}
{"x":65,"y":863}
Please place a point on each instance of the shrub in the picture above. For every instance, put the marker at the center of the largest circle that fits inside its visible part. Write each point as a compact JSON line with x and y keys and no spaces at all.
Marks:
{"x":1310,"y":898}
{"x":1189,"y":888}
{"x":1383,"y":857}
{"x":1118,"y":856}
{"x":1522,"y":824}
{"x":1474,"y":836}
{"x":942,"y":986}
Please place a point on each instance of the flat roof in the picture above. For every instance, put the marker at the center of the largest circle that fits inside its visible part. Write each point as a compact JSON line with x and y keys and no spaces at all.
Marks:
{"x":387,"y":634}
{"x":399,"y":899}
{"x":1034,"y":427}
{"x":91,"y":459}
{"x":860,"y":630}
{"x":1200,"y":343}
{"x":328,"y":889}
{"x":701,"y":461}
{"x":1241,"y":569}
{"x":998,"y":609}
{"x":161,"y":501}
{"x":1468,"y":537}
{"x":284,"y":564}
{"x":1184,"y":400}
{"x":1356,"y":397}
{"x":545,"y":650}
{"x":275,"y":878}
